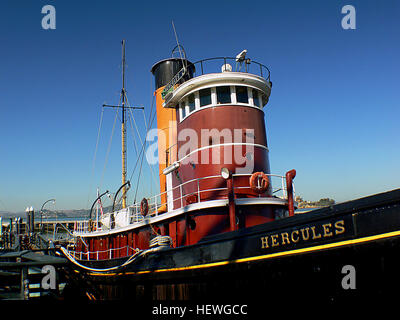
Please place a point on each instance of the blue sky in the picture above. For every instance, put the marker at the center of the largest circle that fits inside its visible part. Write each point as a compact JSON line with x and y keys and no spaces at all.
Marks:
{"x":333,"y":114}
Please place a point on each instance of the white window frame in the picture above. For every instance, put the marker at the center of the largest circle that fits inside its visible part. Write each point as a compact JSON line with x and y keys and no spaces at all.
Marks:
{"x":180,"y":110}
{"x":233,"y":95}
{"x":198,"y":94}
{"x":196,"y":101}
{"x":187,"y":103}
{"x":230,"y":89}
{"x":214,"y":96}
{"x":258,"y":95}
{"x":248,"y":96}
{"x":185,"y":100}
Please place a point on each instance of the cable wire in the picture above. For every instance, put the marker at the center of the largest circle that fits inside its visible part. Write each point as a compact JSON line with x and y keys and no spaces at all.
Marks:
{"x":95,"y":155}
{"x":108,"y":148}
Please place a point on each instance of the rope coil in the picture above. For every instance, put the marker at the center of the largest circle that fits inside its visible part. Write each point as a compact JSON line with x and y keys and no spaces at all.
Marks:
{"x":161,"y":241}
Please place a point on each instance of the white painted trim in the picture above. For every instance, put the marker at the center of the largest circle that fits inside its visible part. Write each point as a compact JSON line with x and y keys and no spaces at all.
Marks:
{"x":255,"y":201}
{"x":196,"y":101}
{"x":224,"y":105}
{"x":150,"y":220}
{"x":217,"y":79}
{"x":250,"y":94}
{"x":191,"y":207}
{"x":223,"y":145}
{"x":213,"y":97}
{"x":233,"y":94}
{"x":170,"y":198}
{"x":186,"y":103}
{"x":215,"y":85}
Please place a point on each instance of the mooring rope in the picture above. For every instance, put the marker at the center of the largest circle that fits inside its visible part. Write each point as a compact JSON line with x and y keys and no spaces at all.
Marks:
{"x":104,"y":270}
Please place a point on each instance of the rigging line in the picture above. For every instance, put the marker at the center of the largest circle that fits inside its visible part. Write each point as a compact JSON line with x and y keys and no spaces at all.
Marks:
{"x":151,"y":117}
{"x":131,"y":112}
{"x":140,"y":138}
{"x":145,"y":122}
{"x":140,"y":170}
{"x":138,"y":179}
{"x":151,"y":111}
{"x":143,"y":153}
{"x":136,"y":163}
{"x":137,"y":131}
{"x":143,"y":144}
{"x":151,"y":168}
{"x":133,"y":133}
{"x":108,"y":148}
{"x":95,"y":156}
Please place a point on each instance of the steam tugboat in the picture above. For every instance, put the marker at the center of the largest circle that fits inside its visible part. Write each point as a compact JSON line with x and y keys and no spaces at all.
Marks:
{"x":224,"y":226}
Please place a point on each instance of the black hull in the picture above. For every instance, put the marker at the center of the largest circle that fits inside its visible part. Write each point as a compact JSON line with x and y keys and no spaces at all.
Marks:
{"x":303,"y":256}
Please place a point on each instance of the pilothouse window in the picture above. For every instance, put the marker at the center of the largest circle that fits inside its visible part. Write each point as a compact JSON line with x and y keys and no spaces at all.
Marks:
{"x":210,"y":97}
{"x":183,"y":111}
{"x":241,"y":94}
{"x":191,"y":103}
{"x":205,"y":97}
{"x":256,"y":99}
{"x":223,"y":94}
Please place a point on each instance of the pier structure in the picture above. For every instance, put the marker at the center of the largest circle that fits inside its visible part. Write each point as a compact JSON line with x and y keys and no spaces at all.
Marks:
{"x":16,"y":234}
{"x":10,"y":227}
{"x":29,"y":265}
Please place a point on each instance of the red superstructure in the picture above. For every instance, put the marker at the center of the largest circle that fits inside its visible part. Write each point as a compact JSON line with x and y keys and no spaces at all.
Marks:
{"x":213,"y":162}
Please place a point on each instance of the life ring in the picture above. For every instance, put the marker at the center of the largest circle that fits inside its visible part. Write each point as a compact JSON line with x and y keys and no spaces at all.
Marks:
{"x":144,"y":207}
{"x":259,"y":182}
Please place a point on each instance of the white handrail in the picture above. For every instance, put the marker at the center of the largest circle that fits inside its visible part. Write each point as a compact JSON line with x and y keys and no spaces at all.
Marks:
{"x":109,"y":251}
{"x":134,"y":215}
{"x":199,"y":191}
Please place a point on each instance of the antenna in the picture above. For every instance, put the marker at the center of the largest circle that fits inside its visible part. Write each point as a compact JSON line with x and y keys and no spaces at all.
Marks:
{"x":178,"y":45}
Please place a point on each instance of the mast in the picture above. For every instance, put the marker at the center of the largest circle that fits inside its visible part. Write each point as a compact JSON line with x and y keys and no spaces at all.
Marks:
{"x":123,"y":100}
{"x":123,"y":129}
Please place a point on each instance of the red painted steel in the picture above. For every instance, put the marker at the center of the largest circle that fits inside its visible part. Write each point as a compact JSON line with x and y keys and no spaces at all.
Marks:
{"x":289,"y":185}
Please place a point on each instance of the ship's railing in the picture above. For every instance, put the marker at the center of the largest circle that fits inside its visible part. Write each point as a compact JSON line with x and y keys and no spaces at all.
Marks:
{"x":155,"y":203}
{"x":110,"y":253}
{"x":216,"y":65}
{"x":86,"y":226}
{"x":179,"y":197}
{"x":81,"y":226}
